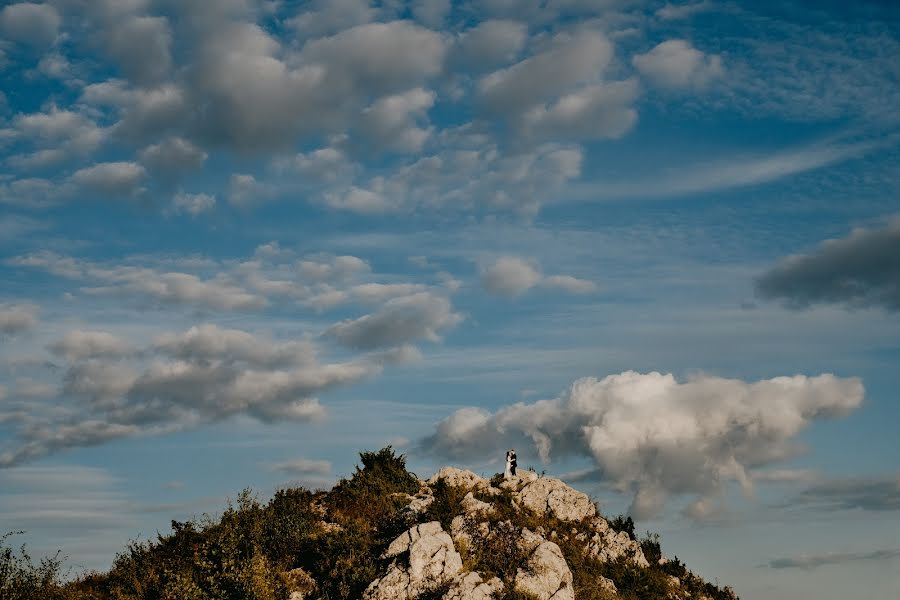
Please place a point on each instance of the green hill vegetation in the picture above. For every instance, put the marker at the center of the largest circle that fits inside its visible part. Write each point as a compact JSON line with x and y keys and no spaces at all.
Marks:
{"x":328,"y":545}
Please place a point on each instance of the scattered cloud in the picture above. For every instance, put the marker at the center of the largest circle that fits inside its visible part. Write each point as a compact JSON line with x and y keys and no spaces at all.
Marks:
{"x":512,"y":276}
{"x":422,"y":316}
{"x":812,"y":561}
{"x":17,"y":318}
{"x":30,"y":23}
{"x":303,"y":466}
{"x":863,"y":493}
{"x":172,"y":158}
{"x":676,"y":64}
{"x":714,"y":175}
{"x":181,"y":380}
{"x":111,"y":179}
{"x":860,"y":270}
{"x":675,"y":12}
{"x":79,"y":344}
{"x":192,"y":204}
{"x":656,"y":437}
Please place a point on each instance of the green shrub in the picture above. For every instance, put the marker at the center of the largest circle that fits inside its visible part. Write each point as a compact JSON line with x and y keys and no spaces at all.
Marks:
{"x":446,"y":505}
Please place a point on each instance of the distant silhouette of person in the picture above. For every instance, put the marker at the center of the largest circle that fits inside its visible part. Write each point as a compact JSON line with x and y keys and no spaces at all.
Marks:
{"x":510,"y":464}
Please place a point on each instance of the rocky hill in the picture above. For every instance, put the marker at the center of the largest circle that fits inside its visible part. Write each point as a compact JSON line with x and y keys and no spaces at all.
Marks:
{"x":383,"y":534}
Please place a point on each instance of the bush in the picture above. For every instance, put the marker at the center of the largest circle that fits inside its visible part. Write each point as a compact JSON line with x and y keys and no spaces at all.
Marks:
{"x":623,"y":523}
{"x":21,"y":579}
{"x":446,"y":505}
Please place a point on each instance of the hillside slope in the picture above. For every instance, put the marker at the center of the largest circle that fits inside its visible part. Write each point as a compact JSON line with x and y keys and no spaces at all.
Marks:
{"x":383,"y":534}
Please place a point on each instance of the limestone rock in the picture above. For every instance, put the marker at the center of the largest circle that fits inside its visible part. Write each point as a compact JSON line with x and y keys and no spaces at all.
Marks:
{"x":432,"y":561}
{"x":472,"y":587}
{"x":549,"y":495}
{"x":472,"y":505}
{"x":608,"y":545}
{"x":607,"y":585}
{"x":459,"y":478}
{"x":521,"y":479}
{"x":546,"y":574}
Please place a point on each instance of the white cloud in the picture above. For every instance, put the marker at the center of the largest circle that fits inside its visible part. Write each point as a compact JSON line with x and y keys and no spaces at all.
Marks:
{"x":391,"y":122}
{"x":657,"y":437}
{"x":489,"y":44}
{"x":570,"y":284}
{"x":327,"y":17}
{"x":359,"y":200}
{"x":593,"y":112}
{"x":79,"y":344}
{"x":675,"y":64}
{"x":111,"y":178}
{"x":400,"y":321}
{"x":181,"y":380}
{"x":31,"y":192}
{"x":30,"y":23}
{"x":569,"y":60}
{"x":140,"y":45}
{"x":376,"y":57}
{"x":722,"y":174}
{"x":244,"y":190}
{"x":172,"y":157}
{"x":192,"y":204}
{"x":512,"y":276}
{"x":167,"y":287}
{"x":303,"y":466}
{"x":431,"y":13}
{"x":16,"y":318}
{"x":674,"y":12}
{"x":58,"y":136}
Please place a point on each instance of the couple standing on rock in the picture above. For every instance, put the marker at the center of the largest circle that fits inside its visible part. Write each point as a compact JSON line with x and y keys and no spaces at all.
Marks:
{"x":510,"y":464}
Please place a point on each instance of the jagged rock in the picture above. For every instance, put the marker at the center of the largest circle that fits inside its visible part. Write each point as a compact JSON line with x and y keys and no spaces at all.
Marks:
{"x":420,"y":502}
{"x":546,"y":574}
{"x":607,"y":585}
{"x":472,"y":505}
{"x":549,"y":495}
{"x":459,"y":478}
{"x":472,"y":587}
{"x":521,"y":479}
{"x":608,"y":545}
{"x":432,"y":561}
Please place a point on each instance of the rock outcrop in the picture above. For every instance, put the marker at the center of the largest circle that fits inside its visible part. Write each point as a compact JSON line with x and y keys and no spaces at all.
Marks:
{"x":608,"y":544}
{"x":545,"y":573}
{"x":424,"y":558}
{"x":545,"y":495}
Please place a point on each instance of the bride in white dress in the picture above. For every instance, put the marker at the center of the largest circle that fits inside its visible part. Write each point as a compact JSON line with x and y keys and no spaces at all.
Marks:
{"x":510,"y":464}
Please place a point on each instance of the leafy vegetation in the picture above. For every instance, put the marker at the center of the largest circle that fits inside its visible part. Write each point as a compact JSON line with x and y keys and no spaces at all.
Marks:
{"x":329,"y":544}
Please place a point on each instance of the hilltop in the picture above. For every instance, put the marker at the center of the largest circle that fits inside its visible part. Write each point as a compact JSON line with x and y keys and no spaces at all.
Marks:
{"x":384,"y":534}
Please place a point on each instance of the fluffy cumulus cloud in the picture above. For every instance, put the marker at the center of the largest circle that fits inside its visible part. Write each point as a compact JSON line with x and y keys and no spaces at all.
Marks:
{"x":111,"y":178}
{"x":860,"y":270}
{"x":336,"y":85}
{"x":676,"y":64}
{"x":16,"y":318}
{"x":656,"y":437}
{"x":80,"y":344}
{"x":30,"y":23}
{"x":512,"y":276}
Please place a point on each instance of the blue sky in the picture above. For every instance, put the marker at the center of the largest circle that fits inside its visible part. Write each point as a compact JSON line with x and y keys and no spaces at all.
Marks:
{"x":654,"y":246}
